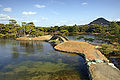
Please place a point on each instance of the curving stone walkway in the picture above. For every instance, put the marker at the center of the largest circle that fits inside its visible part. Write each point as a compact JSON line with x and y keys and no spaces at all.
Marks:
{"x":98,"y":64}
{"x":103,"y":71}
{"x":81,"y":47}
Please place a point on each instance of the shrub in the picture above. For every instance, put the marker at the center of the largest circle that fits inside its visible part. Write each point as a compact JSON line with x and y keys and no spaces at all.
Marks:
{"x":107,"y":48}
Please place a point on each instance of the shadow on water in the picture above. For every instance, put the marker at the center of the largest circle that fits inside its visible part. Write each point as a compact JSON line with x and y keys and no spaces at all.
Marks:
{"x":36,"y":60}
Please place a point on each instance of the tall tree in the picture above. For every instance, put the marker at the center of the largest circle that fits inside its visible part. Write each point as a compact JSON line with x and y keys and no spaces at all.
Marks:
{"x":12,"y":21}
{"x":114,"y":28}
{"x":24,"y":24}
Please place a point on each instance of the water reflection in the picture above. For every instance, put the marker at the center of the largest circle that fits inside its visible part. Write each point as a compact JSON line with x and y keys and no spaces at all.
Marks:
{"x":95,"y":38}
{"x":15,"y":52}
{"x":35,"y":60}
{"x":30,"y":46}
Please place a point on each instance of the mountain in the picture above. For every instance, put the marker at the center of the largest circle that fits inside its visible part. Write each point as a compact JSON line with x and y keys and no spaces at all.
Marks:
{"x":100,"y":21}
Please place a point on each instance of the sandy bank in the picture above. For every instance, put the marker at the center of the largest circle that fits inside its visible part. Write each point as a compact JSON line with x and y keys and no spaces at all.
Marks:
{"x":46,"y":37}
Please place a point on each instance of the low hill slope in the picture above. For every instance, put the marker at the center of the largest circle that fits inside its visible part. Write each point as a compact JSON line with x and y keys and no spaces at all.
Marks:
{"x":100,"y":21}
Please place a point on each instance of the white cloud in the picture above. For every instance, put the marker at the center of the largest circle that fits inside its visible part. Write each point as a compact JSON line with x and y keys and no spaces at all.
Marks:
{"x":4,"y":18}
{"x":84,"y":3}
{"x":27,"y":21}
{"x":56,"y":2}
{"x":68,"y":22}
{"x":35,"y":21}
{"x":43,"y":18}
{"x":0,"y":5}
{"x":29,"y":13}
{"x":55,"y":13}
{"x":40,"y":6}
{"x":7,"y":9}
{"x":118,"y":19}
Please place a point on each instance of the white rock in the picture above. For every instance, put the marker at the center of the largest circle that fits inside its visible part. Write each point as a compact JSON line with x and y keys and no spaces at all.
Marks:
{"x":89,"y":63}
{"x":93,"y":63}
{"x":111,"y":64}
{"x":30,"y":38}
{"x":96,"y":47}
{"x":99,"y":60}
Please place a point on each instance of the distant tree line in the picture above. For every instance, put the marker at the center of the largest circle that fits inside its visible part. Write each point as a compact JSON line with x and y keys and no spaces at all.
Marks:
{"x":110,"y":32}
{"x":13,"y":30}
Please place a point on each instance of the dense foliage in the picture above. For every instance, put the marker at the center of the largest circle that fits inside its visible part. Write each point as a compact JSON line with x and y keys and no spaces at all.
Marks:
{"x":108,"y":33}
{"x":106,"y":48}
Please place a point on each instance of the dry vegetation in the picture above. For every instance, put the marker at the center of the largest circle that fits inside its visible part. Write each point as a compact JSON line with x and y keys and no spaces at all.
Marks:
{"x":81,"y":47}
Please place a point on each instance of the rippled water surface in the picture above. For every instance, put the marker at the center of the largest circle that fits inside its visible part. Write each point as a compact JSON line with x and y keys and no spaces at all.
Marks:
{"x":35,"y":60}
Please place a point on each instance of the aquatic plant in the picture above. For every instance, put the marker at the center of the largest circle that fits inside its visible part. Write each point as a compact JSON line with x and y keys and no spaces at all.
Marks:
{"x":31,"y":70}
{"x":80,"y":36}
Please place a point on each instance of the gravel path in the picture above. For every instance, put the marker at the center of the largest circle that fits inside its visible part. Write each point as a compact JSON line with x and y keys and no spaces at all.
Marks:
{"x":81,"y":47}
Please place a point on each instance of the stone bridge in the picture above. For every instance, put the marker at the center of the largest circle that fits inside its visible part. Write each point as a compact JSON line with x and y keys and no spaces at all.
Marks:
{"x":60,"y":38}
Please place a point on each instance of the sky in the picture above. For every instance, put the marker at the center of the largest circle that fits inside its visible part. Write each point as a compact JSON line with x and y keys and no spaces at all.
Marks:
{"x":47,"y":13}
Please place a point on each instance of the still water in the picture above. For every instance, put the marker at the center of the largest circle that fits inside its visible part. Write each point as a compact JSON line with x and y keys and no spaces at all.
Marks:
{"x":36,"y":60}
{"x":85,"y":36}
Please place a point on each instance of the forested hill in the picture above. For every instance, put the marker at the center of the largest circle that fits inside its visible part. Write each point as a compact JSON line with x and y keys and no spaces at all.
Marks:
{"x":100,"y":21}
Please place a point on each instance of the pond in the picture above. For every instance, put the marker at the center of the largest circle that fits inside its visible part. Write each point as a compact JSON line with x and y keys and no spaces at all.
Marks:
{"x":85,"y":36}
{"x":36,"y":60}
